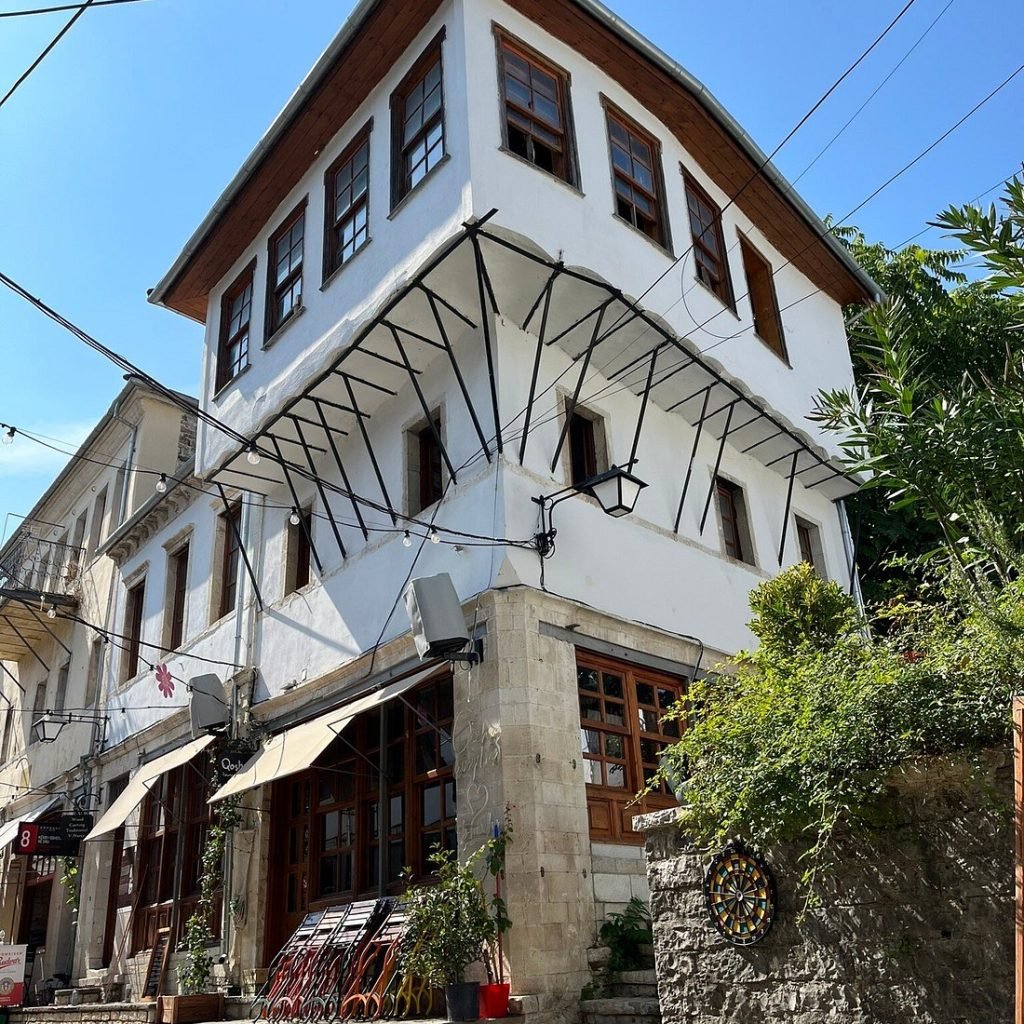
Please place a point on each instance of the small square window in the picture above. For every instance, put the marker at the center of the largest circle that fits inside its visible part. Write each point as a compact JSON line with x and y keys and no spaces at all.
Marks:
{"x":732,"y":515}
{"x":424,"y":464}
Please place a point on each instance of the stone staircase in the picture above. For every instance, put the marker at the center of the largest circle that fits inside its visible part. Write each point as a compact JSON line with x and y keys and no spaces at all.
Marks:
{"x":629,"y":997}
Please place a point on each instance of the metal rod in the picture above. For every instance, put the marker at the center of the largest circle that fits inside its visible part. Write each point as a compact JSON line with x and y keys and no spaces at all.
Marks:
{"x":764,"y":440}
{"x":32,"y":612}
{"x":458,"y":376}
{"x":382,"y":811}
{"x":693,"y":455}
{"x":431,"y":423}
{"x":340,"y":408}
{"x":385,"y":359}
{"x":412,"y":334}
{"x":536,"y":367}
{"x":296,"y":418}
{"x":233,"y":526}
{"x":289,"y":440}
{"x":643,"y":410}
{"x":323,"y":498}
{"x":368,"y":383}
{"x":789,"y":503}
{"x":31,"y":649}
{"x":341,"y":470}
{"x":718,"y":463}
{"x":447,"y":305}
{"x":540,"y":298}
{"x":485,"y":319}
{"x":370,"y":451}
{"x":570,"y":408}
{"x":303,"y":525}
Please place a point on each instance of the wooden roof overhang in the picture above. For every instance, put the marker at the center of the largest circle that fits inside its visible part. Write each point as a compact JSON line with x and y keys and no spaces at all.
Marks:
{"x":375,"y":37}
{"x":483,"y":270}
{"x":25,"y":630}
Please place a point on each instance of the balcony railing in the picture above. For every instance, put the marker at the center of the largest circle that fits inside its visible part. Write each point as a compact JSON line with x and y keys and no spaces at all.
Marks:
{"x":41,"y":566}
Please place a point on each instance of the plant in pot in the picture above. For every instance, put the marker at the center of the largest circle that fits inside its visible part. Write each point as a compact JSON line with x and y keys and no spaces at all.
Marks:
{"x":448,"y":926}
{"x":494,"y":995}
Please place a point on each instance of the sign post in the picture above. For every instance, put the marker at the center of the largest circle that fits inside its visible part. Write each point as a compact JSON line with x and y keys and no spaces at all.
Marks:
{"x":12,"y":975}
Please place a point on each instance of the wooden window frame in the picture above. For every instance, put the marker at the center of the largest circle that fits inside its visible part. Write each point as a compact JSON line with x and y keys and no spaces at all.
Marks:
{"x":299,"y":557}
{"x":586,"y":428}
{"x":608,"y":806}
{"x":401,"y":181}
{"x":134,"y":602}
{"x":271,"y":323}
{"x":335,"y":220}
{"x":764,"y":300}
{"x":425,"y":464}
{"x":722,"y":288}
{"x":733,"y":519}
{"x":808,"y":537}
{"x":660,"y":233}
{"x":231,"y":551}
{"x":177,"y":572}
{"x":569,"y":172}
{"x":226,"y":371}
{"x":344,"y":781}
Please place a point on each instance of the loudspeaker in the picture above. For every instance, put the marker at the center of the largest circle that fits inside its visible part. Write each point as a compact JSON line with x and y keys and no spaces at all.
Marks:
{"x":206,"y":705}
{"x":435,"y":615}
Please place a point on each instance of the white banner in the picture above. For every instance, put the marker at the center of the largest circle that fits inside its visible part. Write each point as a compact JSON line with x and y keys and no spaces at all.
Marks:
{"x":12,"y":975}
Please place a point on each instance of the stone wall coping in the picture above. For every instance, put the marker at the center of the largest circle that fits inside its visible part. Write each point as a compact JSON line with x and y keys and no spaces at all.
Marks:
{"x":657,"y":821}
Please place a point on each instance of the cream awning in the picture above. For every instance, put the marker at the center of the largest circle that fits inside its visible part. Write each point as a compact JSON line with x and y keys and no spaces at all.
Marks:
{"x":142,"y":782}
{"x":297,"y":748}
{"x":10,"y":830}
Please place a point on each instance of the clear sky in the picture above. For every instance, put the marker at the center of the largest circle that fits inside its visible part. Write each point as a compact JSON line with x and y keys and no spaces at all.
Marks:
{"x":117,"y":146}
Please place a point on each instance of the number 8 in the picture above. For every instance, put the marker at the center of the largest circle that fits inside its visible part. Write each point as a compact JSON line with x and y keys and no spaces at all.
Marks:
{"x":25,"y":839}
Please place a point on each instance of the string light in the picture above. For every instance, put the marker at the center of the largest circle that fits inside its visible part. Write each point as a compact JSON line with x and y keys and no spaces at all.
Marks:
{"x":161,"y":484}
{"x":435,"y":537}
{"x":52,"y":612}
{"x":8,"y":436}
{"x":406,"y":540}
{"x":252,"y":456}
{"x":294,"y":518}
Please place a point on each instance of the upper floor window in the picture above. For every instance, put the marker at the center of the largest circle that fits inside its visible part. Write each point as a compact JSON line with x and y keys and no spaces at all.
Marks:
{"x":231,"y":547}
{"x":636,"y":177}
{"x":99,"y":509}
{"x":177,"y":578}
{"x":300,"y":554}
{"x":587,"y":448}
{"x":764,"y":303}
{"x":536,"y":123}
{"x":133,"y":630}
{"x":347,"y":204}
{"x":38,"y":707}
{"x":708,"y":245}
{"x":235,"y":315}
{"x":425,"y":464}
{"x":417,"y":123}
{"x":732,"y":516}
{"x":284,"y":274}
{"x":809,"y":540}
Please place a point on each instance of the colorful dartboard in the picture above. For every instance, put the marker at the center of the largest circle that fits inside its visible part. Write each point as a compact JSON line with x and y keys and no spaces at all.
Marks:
{"x":740,"y":895}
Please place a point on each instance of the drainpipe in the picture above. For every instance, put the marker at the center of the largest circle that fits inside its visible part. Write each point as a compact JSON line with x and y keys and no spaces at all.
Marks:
{"x":850,"y":549}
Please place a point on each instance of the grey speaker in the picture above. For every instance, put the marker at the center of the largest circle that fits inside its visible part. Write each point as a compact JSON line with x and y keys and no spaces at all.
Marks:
{"x":206,"y":705}
{"x":435,"y":615}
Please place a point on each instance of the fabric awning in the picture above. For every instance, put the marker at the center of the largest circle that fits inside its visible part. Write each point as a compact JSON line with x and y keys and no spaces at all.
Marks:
{"x":297,"y":748}
{"x":142,"y":782}
{"x":10,"y":830}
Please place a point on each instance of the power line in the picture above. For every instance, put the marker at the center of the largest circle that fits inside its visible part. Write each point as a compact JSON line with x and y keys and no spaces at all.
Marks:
{"x":65,"y":7}
{"x":49,"y":46}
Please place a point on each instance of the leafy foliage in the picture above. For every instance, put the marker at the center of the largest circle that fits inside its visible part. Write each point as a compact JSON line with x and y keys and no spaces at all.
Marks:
{"x":805,"y":732}
{"x":626,"y":934}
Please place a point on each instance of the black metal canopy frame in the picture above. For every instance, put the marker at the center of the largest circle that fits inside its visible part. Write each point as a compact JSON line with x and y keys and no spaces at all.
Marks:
{"x":484,"y":271}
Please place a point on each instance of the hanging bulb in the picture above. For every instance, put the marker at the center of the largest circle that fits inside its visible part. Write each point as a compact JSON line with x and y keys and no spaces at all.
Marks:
{"x":161,"y":484}
{"x":52,"y":612}
{"x":435,"y":537}
{"x":252,"y":456}
{"x":8,"y":436}
{"x":294,"y":518}
{"x":406,"y":540}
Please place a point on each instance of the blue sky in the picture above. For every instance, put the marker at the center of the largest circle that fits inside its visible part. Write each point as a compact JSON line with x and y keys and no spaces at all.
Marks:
{"x":114,"y":150}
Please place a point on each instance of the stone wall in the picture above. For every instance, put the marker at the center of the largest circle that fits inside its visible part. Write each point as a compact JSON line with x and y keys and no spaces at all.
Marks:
{"x":916,"y":923}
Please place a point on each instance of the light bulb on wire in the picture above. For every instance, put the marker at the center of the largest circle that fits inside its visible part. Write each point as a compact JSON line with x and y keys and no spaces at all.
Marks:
{"x":406,"y":540}
{"x":8,"y":435}
{"x":161,"y":484}
{"x":294,"y":518}
{"x":252,"y":456}
{"x":435,"y":537}
{"x":52,"y":612}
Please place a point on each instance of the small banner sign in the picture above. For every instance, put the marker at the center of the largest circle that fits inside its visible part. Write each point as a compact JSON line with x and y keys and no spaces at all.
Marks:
{"x":53,"y":838}
{"x":12,"y":975}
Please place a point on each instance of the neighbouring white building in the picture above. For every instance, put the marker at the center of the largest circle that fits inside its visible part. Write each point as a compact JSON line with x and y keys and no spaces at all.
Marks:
{"x":490,"y":251}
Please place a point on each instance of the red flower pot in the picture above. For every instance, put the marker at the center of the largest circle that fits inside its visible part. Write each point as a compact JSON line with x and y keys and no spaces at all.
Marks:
{"x":494,"y":1001}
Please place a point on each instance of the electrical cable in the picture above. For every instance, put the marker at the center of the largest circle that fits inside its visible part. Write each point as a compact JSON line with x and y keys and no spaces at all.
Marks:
{"x":65,"y":7}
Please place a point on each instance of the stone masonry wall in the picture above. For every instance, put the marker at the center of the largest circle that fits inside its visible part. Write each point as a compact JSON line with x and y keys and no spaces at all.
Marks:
{"x":916,"y":923}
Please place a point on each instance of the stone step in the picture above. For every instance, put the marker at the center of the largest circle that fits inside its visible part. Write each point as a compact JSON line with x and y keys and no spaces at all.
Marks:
{"x":642,"y":991}
{"x":89,"y":1013}
{"x":621,"y":1010}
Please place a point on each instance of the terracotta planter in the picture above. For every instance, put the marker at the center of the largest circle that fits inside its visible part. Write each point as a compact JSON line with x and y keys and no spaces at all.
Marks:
{"x":206,"y":1006}
{"x":494,"y":1001}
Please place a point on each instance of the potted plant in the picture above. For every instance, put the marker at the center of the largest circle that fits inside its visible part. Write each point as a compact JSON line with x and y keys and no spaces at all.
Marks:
{"x":448,"y":928}
{"x":494,"y":995}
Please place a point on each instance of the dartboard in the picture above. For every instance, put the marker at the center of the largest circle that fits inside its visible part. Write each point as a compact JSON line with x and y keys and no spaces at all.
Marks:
{"x":740,"y":895}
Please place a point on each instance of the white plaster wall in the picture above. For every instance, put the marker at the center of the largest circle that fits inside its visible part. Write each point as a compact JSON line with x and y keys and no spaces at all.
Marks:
{"x":399,"y":241}
{"x":581,"y":225}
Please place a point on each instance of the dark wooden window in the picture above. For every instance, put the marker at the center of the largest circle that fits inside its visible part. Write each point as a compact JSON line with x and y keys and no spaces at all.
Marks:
{"x":764,"y":303}
{"x":231,"y":523}
{"x":809,"y":541}
{"x":417,"y":123}
{"x":732,"y":516}
{"x":536,"y":124}
{"x":178,"y":572}
{"x":173,"y":823}
{"x":284,"y":270}
{"x":329,"y":827}
{"x":622,"y":735}
{"x":235,"y":315}
{"x":300,"y":555}
{"x":347,"y":204}
{"x":709,"y":257}
{"x":582,"y":448}
{"x":425,"y":465}
{"x":636,"y":177}
{"x":133,"y":629}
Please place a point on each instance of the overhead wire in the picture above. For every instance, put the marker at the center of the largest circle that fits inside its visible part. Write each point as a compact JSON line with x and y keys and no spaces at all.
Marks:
{"x":65,"y":7}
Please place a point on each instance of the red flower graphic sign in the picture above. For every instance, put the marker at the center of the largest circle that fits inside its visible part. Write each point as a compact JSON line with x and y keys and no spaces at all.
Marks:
{"x":164,"y":680}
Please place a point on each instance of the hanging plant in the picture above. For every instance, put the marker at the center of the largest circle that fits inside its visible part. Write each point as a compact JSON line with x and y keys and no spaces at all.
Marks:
{"x":69,"y":880}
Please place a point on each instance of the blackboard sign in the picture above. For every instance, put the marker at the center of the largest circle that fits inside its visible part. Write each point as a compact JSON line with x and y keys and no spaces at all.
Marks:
{"x":53,"y":838}
{"x":76,"y":826}
{"x":157,"y":964}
